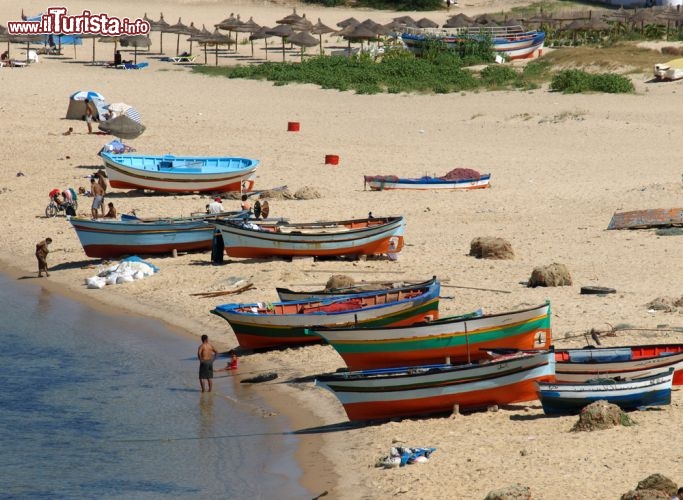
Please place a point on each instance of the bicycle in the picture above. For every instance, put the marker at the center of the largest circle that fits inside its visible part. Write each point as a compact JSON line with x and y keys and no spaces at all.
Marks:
{"x":53,"y":208}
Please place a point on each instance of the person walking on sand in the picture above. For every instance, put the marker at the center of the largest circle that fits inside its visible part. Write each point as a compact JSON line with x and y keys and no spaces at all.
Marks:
{"x":97,"y":197}
{"x":41,"y":254}
{"x":89,"y":114}
{"x":206,"y":355}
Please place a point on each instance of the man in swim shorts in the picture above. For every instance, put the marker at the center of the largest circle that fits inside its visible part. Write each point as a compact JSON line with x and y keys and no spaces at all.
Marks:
{"x":206,"y":355}
{"x":98,"y":197}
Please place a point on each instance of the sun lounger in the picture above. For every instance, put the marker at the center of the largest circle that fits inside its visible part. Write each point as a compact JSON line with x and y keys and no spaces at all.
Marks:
{"x":184,"y":59}
{"x":132,"y":66}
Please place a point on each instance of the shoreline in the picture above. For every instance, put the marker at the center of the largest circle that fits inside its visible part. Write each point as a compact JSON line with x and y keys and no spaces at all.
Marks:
{"x":317,"y":473}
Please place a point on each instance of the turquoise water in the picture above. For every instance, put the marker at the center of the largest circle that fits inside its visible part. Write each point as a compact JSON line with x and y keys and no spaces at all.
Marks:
{"x":104,"y":406}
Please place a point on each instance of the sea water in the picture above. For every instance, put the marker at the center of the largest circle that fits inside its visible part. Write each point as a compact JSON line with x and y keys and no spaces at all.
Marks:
{"x":95,"y":405}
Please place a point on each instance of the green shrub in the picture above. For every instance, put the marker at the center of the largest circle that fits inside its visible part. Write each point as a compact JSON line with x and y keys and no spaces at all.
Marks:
{"x":574,"y":81}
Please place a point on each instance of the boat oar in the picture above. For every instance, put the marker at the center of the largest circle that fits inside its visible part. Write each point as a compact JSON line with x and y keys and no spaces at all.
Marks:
{"x":476,"y":288}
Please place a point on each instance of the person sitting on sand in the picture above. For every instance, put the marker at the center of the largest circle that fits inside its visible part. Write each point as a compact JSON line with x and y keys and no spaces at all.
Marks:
{"x":69,"y":132}
{"x":245,"y":203}
{"x":216,"y":206}
{"x":111,"y":213}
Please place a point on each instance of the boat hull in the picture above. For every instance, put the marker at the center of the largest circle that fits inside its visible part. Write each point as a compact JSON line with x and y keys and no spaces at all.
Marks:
{"x":259,"y":326}
{"x":176,"y":174}
{"x":383,"y":183}
{"x":670,"y":71}
{"x":568,"y":398}
{"x":287,"y":295}
{"x":426,"y":390}
{"x":459,"y":339}
{"x":645,"y":219}
{"x":524,"y":45}
{"x":345,"y":238}
{"x":629,"y":362}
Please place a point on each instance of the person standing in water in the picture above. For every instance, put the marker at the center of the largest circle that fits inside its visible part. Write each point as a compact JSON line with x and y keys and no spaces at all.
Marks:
{"x":206,"y":354}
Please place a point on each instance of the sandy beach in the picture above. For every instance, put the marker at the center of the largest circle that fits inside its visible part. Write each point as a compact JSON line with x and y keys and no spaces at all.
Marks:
{"x":561,"y":165}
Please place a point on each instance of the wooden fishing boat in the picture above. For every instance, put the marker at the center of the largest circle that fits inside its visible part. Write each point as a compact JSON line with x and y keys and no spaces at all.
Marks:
{"x":430,"y":389}
{"x":263,"y":325}
{"x":646,"y":219}
{"x":512,"y":42}
{"x":457,"y":339}
{"x":179,"y":174}
{"x":287,"y":295}
{"x":388,"y":182}
{"x":560,"y":398}
{"x":109,"y":238}
{"x":378,"y":235}
{"x":628,"y":362}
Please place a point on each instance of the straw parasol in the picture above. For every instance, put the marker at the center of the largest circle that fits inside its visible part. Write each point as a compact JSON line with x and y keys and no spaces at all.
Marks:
{"x":180,"y":29}
{"x":303,"y":39}
{"x":28,"y":40}
{"x":230,"y":24}
{"x":110,"y":39}
{"x":136,"y":41}
{"x":217,"y":38}
{"x":283,"y":31}
{"x":193,"y":31}
{"x":93,"y":36}
{"x":293,"y":18}
{"x":302,"y":24}
{"x":248,"y":27}
{"x":360,"y":34}
{"x":261,"y":34}
{"x":406,"y":21}
{"x":202,"y":37}
{"x":426,"y":23}
{"x":459,"y":21}
{"x":349,"y":21}
{"x":320,"y":29}
{"x":162,"y":27}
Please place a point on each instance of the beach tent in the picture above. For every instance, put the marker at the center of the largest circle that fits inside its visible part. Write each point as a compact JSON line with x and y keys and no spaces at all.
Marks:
{"x":76,"y":110}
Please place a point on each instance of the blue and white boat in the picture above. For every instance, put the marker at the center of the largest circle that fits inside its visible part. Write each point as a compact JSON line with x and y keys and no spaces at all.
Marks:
{"x":180,"y":174}
{"x":561,"y":398}
{"x":511,"y":42}
{"x":109,"y":238}
{"x":387,"y":182}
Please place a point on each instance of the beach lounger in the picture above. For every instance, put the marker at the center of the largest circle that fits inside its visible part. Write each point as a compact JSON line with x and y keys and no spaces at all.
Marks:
{"x":184,"y":59}
{"x":132,"y":66}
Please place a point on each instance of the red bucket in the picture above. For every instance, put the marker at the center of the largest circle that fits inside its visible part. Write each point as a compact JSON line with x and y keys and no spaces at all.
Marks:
{"x":331,"y":159}
{"x":292,"y":126}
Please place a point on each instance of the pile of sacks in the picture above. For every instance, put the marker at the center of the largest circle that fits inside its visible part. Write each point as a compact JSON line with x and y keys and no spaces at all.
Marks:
{"x":129,"y":269}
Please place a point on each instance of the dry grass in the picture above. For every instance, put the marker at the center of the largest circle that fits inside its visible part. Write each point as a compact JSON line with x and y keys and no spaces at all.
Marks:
{"x":624,"y":57}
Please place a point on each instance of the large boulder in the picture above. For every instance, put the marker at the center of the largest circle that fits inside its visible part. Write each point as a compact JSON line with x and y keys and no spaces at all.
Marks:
{"x":491,"y":247}
{"x":601,"y":415}
{"x":658,"y":482}
{"x":553,"y":275}
{"x":644,"y":495}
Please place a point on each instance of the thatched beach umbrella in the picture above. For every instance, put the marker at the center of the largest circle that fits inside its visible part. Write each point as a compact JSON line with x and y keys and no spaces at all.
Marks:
{"x":193,"y":31}
{"x":202,"y":37}
{"x":28,"y":40}
{"x":162,"y":27}
{"x":349,"y":21}
{"x":283,"y":31}
{"x":261,"y":34}
{"x":427,"y":23}
{"x":459,"y":21}
{"x":110,"y":39}
{"x":94,"y":37}
{"x":230,"y":24}
{"x":293,"y":18}
{"x":303,"y":39}
{"x":406,"y":21}
{"x":136,"y":41}
{"x":360,"y":34}
{"x":320,"y":29}
{"x":248,"y":27}
{"x":179,"y":29}
{"x":302,"y":24}
{"x":217,"y":38}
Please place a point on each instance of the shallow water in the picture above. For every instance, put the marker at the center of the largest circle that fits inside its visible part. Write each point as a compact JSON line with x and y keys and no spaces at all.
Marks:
{"x":104,"y":406}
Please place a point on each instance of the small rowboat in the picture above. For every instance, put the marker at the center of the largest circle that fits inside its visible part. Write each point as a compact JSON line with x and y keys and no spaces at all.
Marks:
{"x":628,"y":362}
{"x":286,"y":295}
{"x":387,"y":182}
{"x":377,"y":235}
{"x":179,"y":174}
{"x":560,"y":398}
{"x":263,"y":326}
{"x":108,"y":238}
{"x":458,"y":339}
{"x":431,"y":389}
{"x":646,"y":219}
